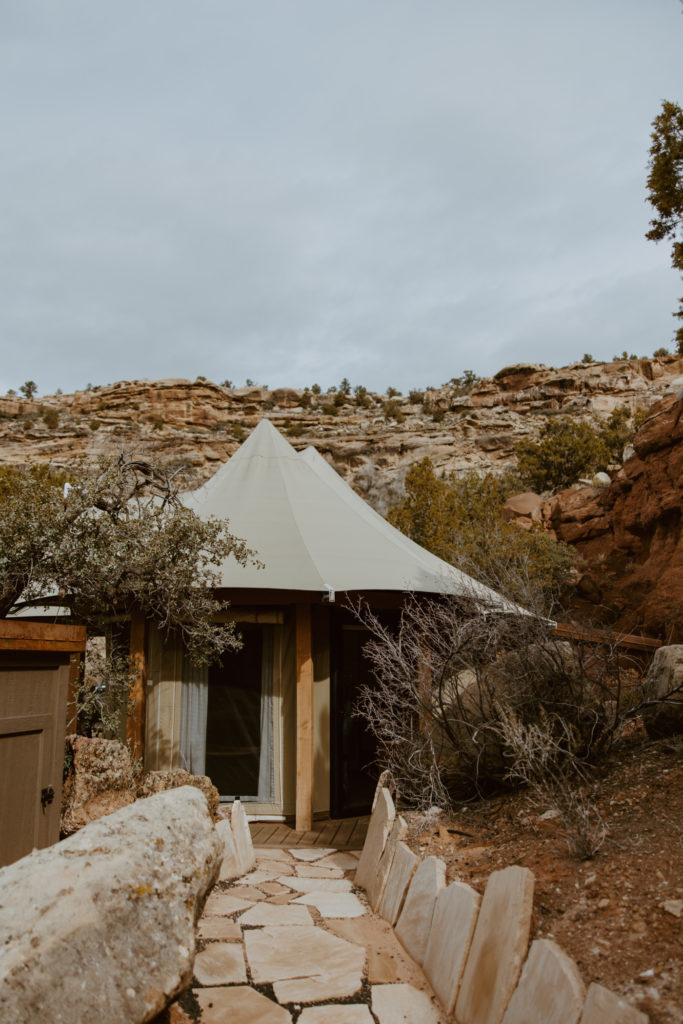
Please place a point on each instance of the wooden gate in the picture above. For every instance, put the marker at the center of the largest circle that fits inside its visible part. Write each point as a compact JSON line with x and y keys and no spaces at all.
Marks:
{"x":37,"y":661}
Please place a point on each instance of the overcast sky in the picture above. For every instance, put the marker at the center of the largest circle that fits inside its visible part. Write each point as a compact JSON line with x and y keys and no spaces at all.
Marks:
{"x":301,"y":190}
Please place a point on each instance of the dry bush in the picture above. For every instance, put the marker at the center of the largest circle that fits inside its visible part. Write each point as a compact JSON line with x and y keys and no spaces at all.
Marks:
{"x":461,"y":683}
{"x":543,"y":758}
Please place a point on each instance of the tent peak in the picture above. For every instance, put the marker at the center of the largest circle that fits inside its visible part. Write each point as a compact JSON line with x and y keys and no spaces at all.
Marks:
{"x":266,"y":442}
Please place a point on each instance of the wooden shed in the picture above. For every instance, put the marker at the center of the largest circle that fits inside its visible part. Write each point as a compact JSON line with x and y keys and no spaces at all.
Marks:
{"x":38,"y":661}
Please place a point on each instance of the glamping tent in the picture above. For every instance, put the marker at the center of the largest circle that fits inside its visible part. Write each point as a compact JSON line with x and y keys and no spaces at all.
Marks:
{"x":273,"y":723}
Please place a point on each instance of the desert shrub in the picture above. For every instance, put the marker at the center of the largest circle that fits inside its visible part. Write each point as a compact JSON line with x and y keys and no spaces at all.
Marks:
{"x":569,"y":449}
{"x":587,"y":358}
{"x":345,"y":386}
{"x":464,"y":384}
{"x":439,"y":415}
{"x":305,"y":400}
{"x":157,"y":423}
{"x":416,"y":397}
{"x":51,"y":418}
{"x":329,"y":409}
{"x":295,"y":430}
{"x":661,"y":352}
{"x":392,"y":411}
{"x":460,"y":520}
{"x":94,"y":424}
{"x":392,"y":392}
{"x":315,"y":389}
{"x":238,"y":432}
{"x":340,"y":398}
{"x":361,"y":396}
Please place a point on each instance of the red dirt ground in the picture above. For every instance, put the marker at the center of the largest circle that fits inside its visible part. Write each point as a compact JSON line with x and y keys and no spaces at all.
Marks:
{"x":608,"y":912}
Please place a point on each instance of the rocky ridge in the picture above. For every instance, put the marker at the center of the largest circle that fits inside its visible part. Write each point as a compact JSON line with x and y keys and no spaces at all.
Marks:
{"x":194,"y":426}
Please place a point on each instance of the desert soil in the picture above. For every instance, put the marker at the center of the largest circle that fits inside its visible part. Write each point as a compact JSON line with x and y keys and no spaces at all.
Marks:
{"x":620,"y":914}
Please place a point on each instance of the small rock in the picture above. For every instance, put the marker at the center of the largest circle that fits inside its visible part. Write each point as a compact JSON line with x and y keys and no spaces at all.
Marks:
{"x":603,"y":903}
{"x":674,"y":907}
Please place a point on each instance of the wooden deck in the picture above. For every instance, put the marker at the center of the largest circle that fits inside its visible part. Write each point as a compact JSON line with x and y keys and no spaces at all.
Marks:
{"x":340,"y":833}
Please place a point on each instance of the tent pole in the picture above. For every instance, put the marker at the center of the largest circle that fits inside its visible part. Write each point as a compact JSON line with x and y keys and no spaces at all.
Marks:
{"x":304,"y":720}
{"x":135,"y":721}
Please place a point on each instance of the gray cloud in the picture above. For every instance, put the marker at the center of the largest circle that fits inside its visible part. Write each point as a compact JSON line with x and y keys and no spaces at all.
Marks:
{"x":296,"y":191}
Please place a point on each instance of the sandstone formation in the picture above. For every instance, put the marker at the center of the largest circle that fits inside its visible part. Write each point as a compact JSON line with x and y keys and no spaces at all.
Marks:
{"x":194,"y":426}
{"x":157,"y":782}
{"x":629,"y":534}
{"x":665,"y":680}
{"x":100,"y":781}
{"x":101,"y":927}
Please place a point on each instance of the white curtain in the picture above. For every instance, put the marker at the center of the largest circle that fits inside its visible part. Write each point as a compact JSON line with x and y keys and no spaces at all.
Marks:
{"x":194,"y":704}
{"x":266,"y":761}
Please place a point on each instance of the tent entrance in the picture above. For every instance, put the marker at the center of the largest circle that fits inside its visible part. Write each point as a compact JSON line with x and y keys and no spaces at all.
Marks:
{"x":241,"y":723}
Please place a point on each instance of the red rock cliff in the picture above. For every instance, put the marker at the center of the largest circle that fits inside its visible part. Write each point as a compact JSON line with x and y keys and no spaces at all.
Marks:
{"x":629,"y":534}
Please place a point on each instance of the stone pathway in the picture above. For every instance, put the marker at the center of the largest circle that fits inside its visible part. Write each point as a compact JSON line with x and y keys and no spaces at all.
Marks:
{"x":291,"y":941}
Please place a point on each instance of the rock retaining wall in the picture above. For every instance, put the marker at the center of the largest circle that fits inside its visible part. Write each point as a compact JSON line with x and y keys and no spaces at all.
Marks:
{"x":475,"y":950}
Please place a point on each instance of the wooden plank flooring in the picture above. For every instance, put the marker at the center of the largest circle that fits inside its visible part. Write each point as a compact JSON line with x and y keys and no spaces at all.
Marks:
{"x":340,"y":833}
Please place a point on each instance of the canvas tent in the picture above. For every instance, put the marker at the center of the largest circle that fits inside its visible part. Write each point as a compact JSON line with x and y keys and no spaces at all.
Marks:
{"x":273,"y":724}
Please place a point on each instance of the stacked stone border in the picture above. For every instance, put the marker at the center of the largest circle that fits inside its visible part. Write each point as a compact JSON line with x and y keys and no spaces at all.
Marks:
{"x":475,"y":949}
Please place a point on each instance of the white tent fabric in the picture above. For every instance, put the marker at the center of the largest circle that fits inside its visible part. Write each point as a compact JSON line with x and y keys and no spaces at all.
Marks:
{"x":312,"y":532}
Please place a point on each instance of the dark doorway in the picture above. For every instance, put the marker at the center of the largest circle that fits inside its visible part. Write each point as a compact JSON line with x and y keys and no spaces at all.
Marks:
{"x":354,"y":770}
{"x":233,"y":726}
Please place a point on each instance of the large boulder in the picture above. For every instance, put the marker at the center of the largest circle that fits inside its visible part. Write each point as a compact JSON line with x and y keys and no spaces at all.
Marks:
{"x":664,"y":684}
{"x":99,"y":781}
{"x":158,"y":782}
{"x":100,"y":928}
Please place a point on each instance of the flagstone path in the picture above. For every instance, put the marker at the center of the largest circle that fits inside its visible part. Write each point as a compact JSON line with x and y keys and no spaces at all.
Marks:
{"x":291,"y":942}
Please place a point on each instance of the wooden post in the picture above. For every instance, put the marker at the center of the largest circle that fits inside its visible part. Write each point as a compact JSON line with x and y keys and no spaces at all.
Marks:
{"x":304,"y":720}
{"x":135,"y":722}
{"x":75,"y":667}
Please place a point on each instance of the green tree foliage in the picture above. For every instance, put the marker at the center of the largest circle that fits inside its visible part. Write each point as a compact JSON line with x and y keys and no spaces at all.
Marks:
{"x":109,"y":540}
{"x":29,"y":389}
{"x":665,"y":188}
{"x":569,"y":449}
{"x":460,"y":520}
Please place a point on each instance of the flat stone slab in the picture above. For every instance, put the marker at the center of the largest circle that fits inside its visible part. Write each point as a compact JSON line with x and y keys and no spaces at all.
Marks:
{"x":239,"y":1005}
{"x":450,"y":937}
{"x":550,"y":988}
{"x":273,"y":868}
{"x":414,"y":924}
{"x":261,"y":875}
{"x":345,"y":861}
{"x":221,"y":963}
{"x":402,"y":870}
{"x":604,"y":1007}
{"x":388,"y":962}
{"x":316,"y":884}
{"x":282,"y":898}
{"x":273,"y":888}
{"x":349,"y":1013}
{"x":219,"y":928}
{"x":311,"y":853}
{"x":271,"y":853}
{"x":247,"y":892}
{"x":305,"y":965}
{"x":244,"y":848}
{"x":499,"y":945}
{"x":229,"y":867}
{"x":377,"y":883}
{"x":274,"y":915}
{"x":381,"y":821}
{"x":223,"y":904}
{"x":404,"y":1004}
{"x":333,"y":904}
{"x":314,"y":871}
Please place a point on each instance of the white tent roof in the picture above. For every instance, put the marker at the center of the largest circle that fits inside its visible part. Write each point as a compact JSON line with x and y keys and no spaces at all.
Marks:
{"x":312,"y":531}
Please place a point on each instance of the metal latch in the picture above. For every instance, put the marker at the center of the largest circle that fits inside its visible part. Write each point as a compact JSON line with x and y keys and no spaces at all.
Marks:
{"x":47,"y":795}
